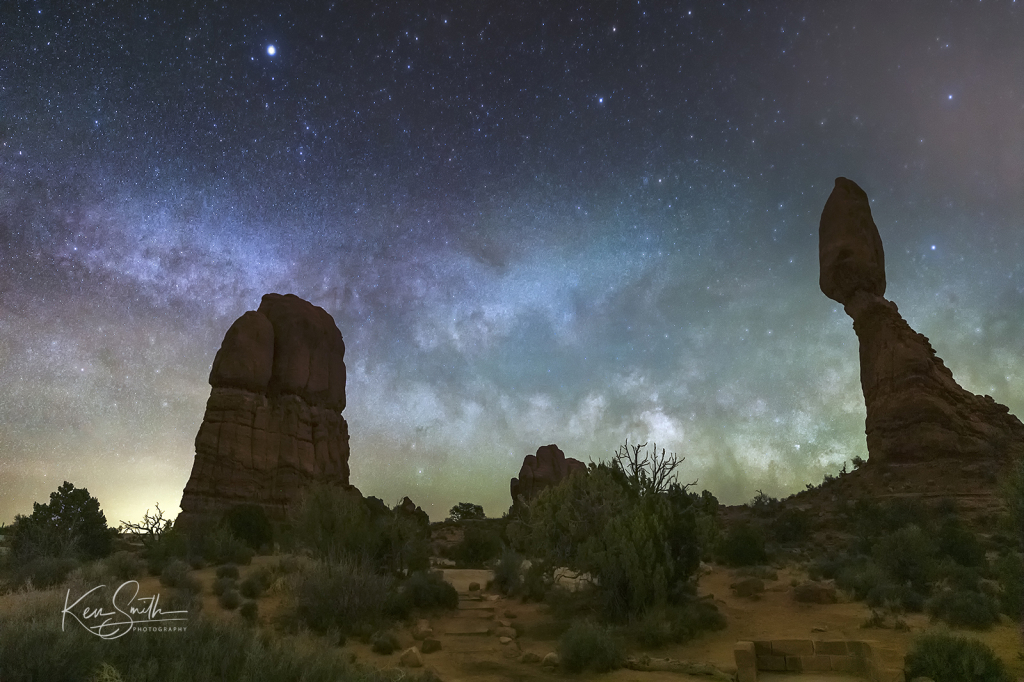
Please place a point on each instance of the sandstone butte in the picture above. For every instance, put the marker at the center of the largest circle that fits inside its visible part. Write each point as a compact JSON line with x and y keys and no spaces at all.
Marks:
{"x":548,"y":467}
{"x":273,"y":423}
{"x":916,"y":411}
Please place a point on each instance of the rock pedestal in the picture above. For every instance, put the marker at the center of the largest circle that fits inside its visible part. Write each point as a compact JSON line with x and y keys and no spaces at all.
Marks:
{"x":548,"y":467}
{"x":273,"y":422}
{"x":915,"y":409}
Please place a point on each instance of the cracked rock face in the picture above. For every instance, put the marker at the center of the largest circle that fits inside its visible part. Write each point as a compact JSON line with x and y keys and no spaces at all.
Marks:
{"x":273,"y":422}
{"x":915,"y":408}
{"x":548,"y":467}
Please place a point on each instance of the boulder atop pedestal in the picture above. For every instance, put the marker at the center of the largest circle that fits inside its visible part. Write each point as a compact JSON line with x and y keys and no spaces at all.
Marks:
{"x":915,"y":409}
{"x":548,"y":467}
{"x":273,"y":422}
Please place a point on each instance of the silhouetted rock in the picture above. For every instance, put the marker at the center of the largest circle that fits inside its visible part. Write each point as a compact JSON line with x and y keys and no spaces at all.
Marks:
{"x":915,"y":409}
{"x":548,"y":467}
{"x":273,"y":422}
{"x":408,"y":508}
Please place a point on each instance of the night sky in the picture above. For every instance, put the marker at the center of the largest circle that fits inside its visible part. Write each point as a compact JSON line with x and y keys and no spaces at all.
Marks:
{"x":570,"y":225}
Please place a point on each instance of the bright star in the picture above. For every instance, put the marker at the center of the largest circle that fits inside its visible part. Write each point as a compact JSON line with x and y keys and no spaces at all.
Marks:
{"x":271,"y":50}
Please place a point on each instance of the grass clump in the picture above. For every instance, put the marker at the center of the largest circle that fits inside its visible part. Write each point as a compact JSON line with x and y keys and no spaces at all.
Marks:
{"x":178,"y":574}
{"x":943,"y":657}
{"x":230,"y":599}
{"x":587,"y":646}
{"x":227,"y":571}
{"x":124,"y":565}
{"x":249,"y":611}
{"x":964,"y":609}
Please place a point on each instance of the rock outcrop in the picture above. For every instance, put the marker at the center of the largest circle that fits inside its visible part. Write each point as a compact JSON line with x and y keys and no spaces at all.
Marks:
{"x":273,"y":422}
{"x":915,"y":409}
{"x":548,"y":467}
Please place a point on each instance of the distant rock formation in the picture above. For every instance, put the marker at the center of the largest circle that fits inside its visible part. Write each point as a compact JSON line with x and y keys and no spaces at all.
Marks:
{"x":548,"y":467}
{"x":273,"y":422}
{"x":915,"y":409}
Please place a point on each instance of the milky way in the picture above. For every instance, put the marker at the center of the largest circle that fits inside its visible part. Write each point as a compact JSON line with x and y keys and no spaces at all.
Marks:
{"x":532,"y":226}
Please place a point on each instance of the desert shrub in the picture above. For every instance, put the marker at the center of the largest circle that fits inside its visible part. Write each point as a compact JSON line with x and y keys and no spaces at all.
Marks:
{"x":222,"y":585}
{"x":230,"y":599}
{"x":763,"y":504}
{"x":384,"y":642}
{"x":429,"y":590}
{"x":466,"y":510}
{"x":537,"y":581}
{"x":124,"y":565}
{"x":334,"y":524}
{"x":227,"y":571}
{"x":860,"y":576}
{"x":220,"y":546}
{"x":167,"y":546}
{"x":675,"y":624}
{"x":587,"y":646}
{"x":70,"y":525}
{"x":251,"y":588}
{"x":177,"y":574}
{"x":957,"y":576}
{"x":896,"y":597}
{"x":400,"y":543}
{"x":907,"y":555}
{"x":249,"y":610}
{"x":508,"y":572}
{"x":943,"y":657}
{"x":43,"y":571}
{"x":181,"y":600}
{"x":249,"y":523}
{"x":1009,"y":570}
{"x":478,"y":546}
{"x":963,"y":609}
{"x":288,"y":565}
{"x":743,"y":545}
{"x":959,"y":544}
{"x":640,"y":549}
{"x":33,"y":647}
{"x":343,"y":596}
{"x":791,"y":526}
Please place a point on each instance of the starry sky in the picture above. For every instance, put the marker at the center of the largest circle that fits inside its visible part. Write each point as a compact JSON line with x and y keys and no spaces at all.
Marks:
{"x":532,"y":222}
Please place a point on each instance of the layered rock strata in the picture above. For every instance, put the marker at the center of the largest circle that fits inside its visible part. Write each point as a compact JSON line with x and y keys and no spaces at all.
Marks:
{"x":548,"y":467}
{"x":915,"y":409}
{"x":273,"y":423}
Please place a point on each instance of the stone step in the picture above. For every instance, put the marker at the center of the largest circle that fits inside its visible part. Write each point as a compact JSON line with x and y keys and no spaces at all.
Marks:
{"x":468,"y":629}
{"x":475,"y":606}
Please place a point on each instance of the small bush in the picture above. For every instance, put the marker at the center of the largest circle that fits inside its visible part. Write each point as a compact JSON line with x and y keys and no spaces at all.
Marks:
{"x":791,"y":526}
{"x":249,"y":523}
{"x":124,"y":565}
{"x":429,"y":590}
{"x":586,"y":646}
{"x":907,"y":555}
{"x":342,"y":596}
{"x":227,"y":571}
{"x":743,"y":545}
{"x":251,"y":587}
{"x":508,"y":572}
{"x":44,"y":571}
{"x":384,"y":642}
{"x":959,"y":543}
{"x":946,"y":658}
{"x":478,"y":546}
{"x":1010,"y":573}
{"x":896,"y":597}
{"x":288,"y":565}
{"x":860,"y":577}
{"x":249,"y":611}
{"x":177,"y":574}
{"x":222,"y":585}
{"x":220,"y":546}
{"x":962,"y":609}
{"x":230,"y":599}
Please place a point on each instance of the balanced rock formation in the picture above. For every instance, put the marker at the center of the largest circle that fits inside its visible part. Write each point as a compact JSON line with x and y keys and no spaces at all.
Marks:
{"x":273,"y":422}
{"x":915,"y":409}
{"x":548,"y":467}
